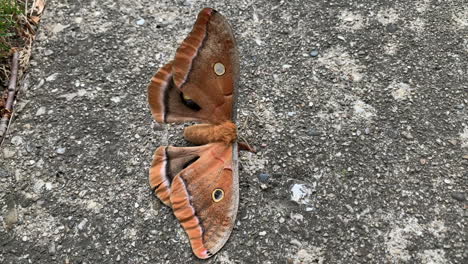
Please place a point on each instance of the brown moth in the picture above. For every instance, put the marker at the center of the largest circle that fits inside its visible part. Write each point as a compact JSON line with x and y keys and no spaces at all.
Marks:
{"x":200,"y":183}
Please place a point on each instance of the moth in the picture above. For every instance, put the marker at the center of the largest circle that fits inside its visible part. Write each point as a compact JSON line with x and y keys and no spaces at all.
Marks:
{"x":201,"y":183}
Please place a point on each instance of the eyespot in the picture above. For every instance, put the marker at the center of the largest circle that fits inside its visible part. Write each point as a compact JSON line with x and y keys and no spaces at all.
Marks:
{"x":217,"y":195}
{"x":219,"y":68}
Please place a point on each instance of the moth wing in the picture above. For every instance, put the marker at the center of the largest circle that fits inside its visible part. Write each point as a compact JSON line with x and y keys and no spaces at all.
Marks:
{"x":165,"y":100}
{"x":200,"y":84}
{"x":205,"y":198}
{"x":167,"y":162}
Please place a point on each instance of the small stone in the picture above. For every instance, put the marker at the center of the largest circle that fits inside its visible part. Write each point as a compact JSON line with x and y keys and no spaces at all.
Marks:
{"x":459,"y":106}
{"x":52,"y":249}
{"x":60,"y":150}
{"x":423,"y":161}
{"x":92,"y":205}
{"x":17,"y":140}
{"x":340,"y":38}
{"x":48,"y":186}
{"x":38,"y":185}
{"x":81,"y":92}
{"x":300,"y":193}
{"x":313,"y":132}
{"x":465,"y":157}
{"x":41,"y":111}
{"x":82,"y":224}
{"x":58,"y":28}
{"x":459,"y":196}
{"x":11,"y":218}
{"x":392,"y":28}
{"x":116,"y":99}
{"x":281,"y":220}
{"x":453,"y":142}
{"x":295,"y":242}
{"x":297,"y":217}
{"x":407,"y":135}
{"x":258,"y":41}
{"x":314,"y":53}
{"x":263,"y":177}
{"x":52,"y":77}
{"x":7,"y":153}
{"x":262,"y":233}
{"x":140,"y":22}
{"x":48,"y":52}
{"x":187,"y":2}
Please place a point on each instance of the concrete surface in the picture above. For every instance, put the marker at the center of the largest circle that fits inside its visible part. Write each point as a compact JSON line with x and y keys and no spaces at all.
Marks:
{"x":358,"y":108}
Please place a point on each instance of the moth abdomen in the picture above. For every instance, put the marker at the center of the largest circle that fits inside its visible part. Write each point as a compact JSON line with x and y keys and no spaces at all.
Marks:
{"x":206,"y":133}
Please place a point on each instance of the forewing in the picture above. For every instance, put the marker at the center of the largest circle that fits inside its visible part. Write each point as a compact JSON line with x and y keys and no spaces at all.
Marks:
{"x":166,"y":100}
{"x":206,"y":66}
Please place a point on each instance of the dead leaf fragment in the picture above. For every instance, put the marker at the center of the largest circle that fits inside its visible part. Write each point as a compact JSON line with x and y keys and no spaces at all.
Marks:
{"x":35,"y":19}
{"x":38,"y":7}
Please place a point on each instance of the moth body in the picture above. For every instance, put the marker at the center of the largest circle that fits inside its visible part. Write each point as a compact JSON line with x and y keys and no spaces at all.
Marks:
{"x":207,"y":133}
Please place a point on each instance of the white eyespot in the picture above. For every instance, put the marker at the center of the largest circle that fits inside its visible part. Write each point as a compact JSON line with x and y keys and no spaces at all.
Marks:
{"x":219,"y":68}
{"x":217,"y":195}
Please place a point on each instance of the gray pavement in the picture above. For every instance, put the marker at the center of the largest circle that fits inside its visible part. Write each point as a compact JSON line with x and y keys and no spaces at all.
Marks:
{"x":358,"y":110}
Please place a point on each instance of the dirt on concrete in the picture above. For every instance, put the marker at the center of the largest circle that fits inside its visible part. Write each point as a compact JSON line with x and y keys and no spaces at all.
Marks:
{"x":358,"y":110}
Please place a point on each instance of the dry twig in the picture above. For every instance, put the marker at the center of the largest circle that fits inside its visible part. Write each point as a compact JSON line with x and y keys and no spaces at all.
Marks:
{"x":11,"y":97}
{"x":20,"y":62}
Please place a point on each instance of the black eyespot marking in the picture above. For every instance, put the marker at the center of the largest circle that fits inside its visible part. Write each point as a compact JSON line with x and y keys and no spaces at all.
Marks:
{"x":187,"y":101}
{"x":188,"y":163}
{"x":217,"y":195}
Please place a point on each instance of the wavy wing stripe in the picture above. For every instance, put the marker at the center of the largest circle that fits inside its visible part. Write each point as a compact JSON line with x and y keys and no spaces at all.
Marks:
{"x":158,"y":90}
{"x":185,"y":213}
{"x":188,"y":50}
{"x":158,"y":178}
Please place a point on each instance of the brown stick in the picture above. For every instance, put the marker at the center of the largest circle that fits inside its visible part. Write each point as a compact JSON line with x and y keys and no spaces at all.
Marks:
{"x":10,"y":98}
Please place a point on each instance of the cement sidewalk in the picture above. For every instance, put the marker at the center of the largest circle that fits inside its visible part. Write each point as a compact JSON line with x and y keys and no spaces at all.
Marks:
{"x":358,"y":109}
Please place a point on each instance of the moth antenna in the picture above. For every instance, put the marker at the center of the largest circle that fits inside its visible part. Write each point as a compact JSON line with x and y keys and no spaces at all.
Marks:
{"x":244,"y":145}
